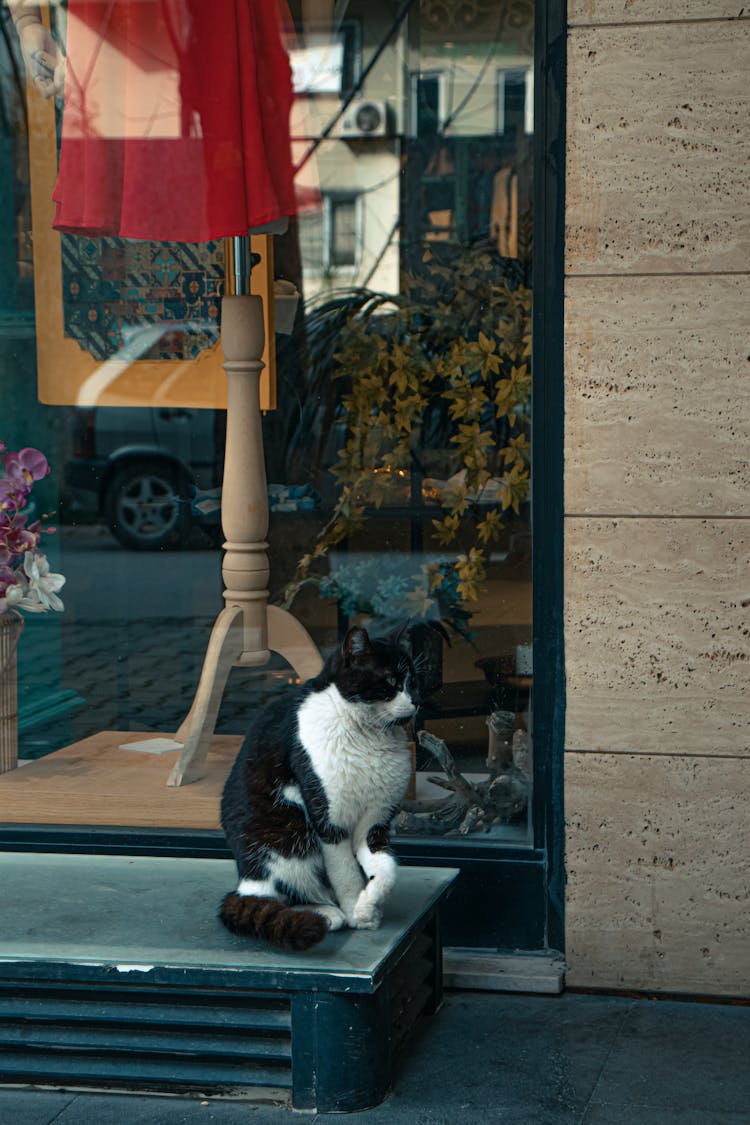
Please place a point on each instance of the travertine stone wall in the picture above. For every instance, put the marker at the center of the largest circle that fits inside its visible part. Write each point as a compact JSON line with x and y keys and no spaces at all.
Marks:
{"x":657,"y":495}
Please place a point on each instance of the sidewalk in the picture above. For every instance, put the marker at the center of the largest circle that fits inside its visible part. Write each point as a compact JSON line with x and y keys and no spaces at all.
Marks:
{"x":490,"y":1057}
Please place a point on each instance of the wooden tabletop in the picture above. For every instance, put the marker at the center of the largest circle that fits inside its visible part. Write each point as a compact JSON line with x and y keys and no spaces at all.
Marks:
{"x":95,"y":782}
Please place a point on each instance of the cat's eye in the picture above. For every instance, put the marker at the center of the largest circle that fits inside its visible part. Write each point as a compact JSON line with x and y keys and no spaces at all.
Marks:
{"x":391,"y":680}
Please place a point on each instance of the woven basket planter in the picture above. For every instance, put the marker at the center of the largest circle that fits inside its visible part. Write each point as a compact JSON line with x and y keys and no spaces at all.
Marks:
{"x":11,"y":627}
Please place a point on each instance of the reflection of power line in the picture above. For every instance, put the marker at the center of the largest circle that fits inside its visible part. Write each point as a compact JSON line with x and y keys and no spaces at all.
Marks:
{"x":399,"y":18}
{"x":339,"y":12}
{"x":381,"y":255}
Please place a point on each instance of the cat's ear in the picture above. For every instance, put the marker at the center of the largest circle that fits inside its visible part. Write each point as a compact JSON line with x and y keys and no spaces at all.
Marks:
{"x":356,"y":644}
{"x":397,"y":635}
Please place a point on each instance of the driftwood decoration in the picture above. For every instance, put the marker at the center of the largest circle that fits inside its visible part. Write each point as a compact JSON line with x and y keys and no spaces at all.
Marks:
{"x":472,"y":806}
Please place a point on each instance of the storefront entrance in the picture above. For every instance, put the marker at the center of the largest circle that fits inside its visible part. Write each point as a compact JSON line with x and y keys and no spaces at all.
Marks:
{"x":409,"y":413}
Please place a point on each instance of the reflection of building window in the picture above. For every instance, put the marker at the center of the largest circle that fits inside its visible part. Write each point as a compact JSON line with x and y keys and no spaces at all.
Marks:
{"x":327,"y":61}
{"x":333,"y":239}
{"x":343,"y":232}
{"x":428,"y":103}
{"x":515,"y":101}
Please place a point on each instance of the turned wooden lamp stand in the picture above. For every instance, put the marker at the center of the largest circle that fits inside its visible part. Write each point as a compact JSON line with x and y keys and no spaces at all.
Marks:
{"x":248,"y":629}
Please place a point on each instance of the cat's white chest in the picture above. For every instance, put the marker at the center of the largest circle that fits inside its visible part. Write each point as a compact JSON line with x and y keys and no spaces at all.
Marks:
{"x":362,"y":770}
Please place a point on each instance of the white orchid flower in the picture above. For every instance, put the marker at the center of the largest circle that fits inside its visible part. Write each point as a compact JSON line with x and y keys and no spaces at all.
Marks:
{"x":42,"y":582}
{"x":18,"y":596}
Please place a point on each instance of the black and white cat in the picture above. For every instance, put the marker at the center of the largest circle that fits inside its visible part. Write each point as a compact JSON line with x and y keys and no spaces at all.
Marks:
{"x":307,"y":806}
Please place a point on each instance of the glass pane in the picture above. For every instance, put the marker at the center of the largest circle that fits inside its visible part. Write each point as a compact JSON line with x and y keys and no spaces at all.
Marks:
{"x":417,"y":439}
{"x":396,"y":409}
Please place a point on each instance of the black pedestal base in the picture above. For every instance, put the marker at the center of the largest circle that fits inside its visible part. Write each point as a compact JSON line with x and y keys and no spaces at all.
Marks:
{"x":115,"y":973}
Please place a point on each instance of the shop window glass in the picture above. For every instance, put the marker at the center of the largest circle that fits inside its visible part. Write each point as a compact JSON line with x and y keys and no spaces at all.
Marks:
{"x":396,"y":413}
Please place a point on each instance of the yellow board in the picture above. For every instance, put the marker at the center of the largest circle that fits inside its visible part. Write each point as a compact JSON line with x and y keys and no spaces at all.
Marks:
{"x":67,"y":374}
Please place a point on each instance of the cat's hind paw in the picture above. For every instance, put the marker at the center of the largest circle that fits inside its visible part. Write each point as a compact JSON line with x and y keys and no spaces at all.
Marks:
{"x":335,"y":918}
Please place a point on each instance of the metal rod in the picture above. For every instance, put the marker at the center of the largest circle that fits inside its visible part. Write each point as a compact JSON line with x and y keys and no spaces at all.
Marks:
{"x":241,"y":264}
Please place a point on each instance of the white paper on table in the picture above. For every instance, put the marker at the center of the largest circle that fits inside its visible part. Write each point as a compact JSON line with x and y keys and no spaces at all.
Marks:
{"x":152,"y":745}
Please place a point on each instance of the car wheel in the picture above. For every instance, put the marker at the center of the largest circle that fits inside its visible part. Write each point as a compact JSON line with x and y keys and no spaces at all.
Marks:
{"x":147,"y":507}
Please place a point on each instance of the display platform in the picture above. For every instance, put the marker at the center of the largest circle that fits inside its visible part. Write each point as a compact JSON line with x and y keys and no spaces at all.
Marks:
{"x":95,"y":782}
{"x":116,"y":973}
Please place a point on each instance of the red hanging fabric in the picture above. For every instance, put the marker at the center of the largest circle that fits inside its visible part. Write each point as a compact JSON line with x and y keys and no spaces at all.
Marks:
{"x":176,"y":120}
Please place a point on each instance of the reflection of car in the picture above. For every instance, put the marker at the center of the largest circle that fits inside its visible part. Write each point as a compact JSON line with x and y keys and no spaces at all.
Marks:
{"x":136,"y":466}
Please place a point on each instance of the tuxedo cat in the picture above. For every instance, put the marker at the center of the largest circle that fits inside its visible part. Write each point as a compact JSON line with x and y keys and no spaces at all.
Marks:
{"x":307,"y":805}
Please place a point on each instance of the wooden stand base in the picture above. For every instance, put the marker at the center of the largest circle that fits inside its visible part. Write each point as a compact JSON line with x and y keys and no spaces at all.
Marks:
{"x":11,"y":627}
{"x":247,"y":629}
{"x":286,"y":636}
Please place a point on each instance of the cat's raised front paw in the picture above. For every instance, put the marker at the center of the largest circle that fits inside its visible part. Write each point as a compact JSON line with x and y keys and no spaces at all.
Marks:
{"x":365,"y":916}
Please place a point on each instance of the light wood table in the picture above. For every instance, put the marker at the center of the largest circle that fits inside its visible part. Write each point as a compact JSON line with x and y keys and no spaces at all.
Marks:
{"x":95,"y":782}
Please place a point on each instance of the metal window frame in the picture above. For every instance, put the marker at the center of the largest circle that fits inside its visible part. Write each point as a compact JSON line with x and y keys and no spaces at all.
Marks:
{"x":547,"y":452}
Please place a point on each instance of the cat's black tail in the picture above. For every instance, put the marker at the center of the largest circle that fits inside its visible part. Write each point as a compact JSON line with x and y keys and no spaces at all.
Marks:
{"x":272,"y":921}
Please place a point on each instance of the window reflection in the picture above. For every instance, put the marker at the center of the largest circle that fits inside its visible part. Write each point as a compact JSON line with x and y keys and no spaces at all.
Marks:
{"x":398,"y":453}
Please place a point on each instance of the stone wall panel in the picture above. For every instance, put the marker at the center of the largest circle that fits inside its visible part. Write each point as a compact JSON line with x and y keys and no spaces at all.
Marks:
{"x":657,"y":892}
{"x":657,"y":635}
{"x":658,"y":149}
{"x":657,"y":396}
{"x":651,"y":11}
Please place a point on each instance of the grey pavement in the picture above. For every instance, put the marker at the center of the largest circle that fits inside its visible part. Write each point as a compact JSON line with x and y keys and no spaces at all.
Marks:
{"x":575,"y":1059}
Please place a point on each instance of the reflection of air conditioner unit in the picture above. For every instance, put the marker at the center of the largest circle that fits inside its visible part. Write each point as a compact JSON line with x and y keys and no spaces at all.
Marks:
{"x":364,"y":118}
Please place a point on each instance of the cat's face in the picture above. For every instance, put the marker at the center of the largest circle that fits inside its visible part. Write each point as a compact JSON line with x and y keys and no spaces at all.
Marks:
{"x":377,"y":674}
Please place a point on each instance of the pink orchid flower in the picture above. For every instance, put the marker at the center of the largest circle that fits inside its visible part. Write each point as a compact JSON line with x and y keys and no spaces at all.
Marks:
{"x":26,"y":466}
{"x":8,"y":578}
{"x":19,"y":539}
{"x":11,"y":496}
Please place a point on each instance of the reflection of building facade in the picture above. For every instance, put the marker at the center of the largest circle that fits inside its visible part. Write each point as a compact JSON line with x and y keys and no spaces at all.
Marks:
{"x":435,"y":143}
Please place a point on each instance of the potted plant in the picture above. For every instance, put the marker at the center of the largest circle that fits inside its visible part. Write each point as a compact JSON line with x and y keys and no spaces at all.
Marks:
{"x":445,"y":365}
{"x":399,"y":596}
